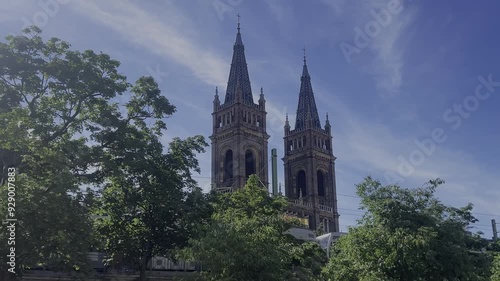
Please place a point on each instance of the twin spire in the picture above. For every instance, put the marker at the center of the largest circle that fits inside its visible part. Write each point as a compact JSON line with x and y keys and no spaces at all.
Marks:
{"x":239,"y":83}
{"x":307,"y":112}
{"x":238,"y":75}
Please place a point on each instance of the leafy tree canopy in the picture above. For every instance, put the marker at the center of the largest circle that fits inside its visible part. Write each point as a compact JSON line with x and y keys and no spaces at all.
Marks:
{"x":408,"y":234}
{"x":245,"y":240}
{"x":69,"y":121}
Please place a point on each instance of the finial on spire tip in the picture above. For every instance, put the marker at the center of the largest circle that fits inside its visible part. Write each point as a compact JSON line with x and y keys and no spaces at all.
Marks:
{"x":327,"y":116}
{"x":287,"y":117}
{"x":304,"y":55}
{"x":216,"y":90}
{"x":238,"y":22}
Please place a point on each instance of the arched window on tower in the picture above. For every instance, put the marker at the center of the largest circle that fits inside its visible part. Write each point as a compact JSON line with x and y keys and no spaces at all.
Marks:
{"x":249,"y":163}
{"x":228,"y":168}
{"x":301,"y":184}
{"x":321,"y":183}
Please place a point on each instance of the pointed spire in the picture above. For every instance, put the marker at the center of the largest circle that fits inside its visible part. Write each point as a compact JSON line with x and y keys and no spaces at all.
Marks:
{"x":216,"y":99}
{"x":239,"y":72}
{"x":307,"y":113}
{"x":287,"y":124}
{"x":328,"y":127}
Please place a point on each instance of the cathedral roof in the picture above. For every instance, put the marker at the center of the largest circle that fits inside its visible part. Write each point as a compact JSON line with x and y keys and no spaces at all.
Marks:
{"x":238,"y":73}
{"x":306,"y":109}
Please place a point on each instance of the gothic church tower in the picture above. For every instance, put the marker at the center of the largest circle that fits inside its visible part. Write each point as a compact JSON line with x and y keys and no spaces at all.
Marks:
{"x":239,"y":138}
{"x":310,"y":164}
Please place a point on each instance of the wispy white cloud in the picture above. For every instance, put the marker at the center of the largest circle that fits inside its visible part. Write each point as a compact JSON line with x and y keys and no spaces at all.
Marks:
{"x":14,"y":10}
{"x":282,"y":11}
{"x":385,"y":34}
{"x":160,"y":37}
{"x":337,"y":6}
{"x":388,"y":64}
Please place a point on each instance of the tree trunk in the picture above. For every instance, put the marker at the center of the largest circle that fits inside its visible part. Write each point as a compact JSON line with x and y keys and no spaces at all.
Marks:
{"x":145,"y":260}
{"x":142,"y":276}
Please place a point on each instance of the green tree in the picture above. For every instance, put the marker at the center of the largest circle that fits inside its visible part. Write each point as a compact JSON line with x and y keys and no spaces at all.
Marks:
{"x":50,"y":95}
{"x":245,"y":240}
{"x":148,"y":210}
{"x":76,"y":143}
{"x":408,"y":234}
{"x":308,"y":261}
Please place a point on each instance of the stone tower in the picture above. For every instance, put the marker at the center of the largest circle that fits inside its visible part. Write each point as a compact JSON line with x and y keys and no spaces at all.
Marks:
{"x":239,"y":138}
{"x":310,"y":164}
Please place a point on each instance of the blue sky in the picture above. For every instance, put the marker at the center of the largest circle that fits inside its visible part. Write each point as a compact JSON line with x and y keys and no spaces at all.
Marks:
{"x":416,"y":76}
